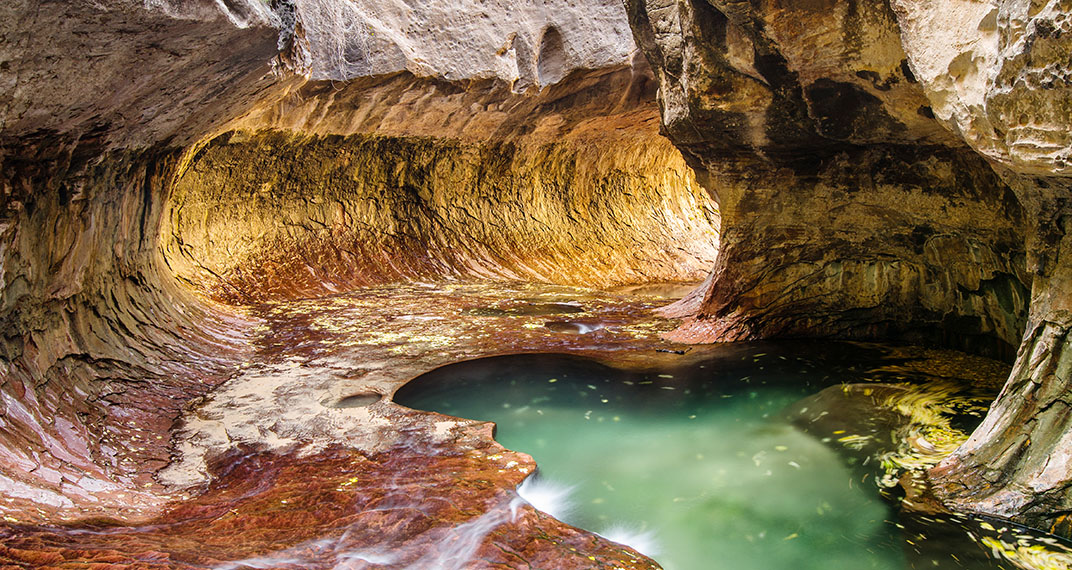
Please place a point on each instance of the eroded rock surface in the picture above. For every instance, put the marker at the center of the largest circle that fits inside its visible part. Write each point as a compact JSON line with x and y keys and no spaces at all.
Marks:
{"x":524,"y":44}
{"x":101,"y":346}
{"x":399,"y":179}
{"x":103,"y":107}
{"x":846,"y":210}
{"x":815,"y":122}
{"x":999,"y":78}
{"x":820,"y":126}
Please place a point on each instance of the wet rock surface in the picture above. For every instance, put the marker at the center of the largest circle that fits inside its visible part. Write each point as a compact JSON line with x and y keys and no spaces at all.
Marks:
{"x":815,"y":101}
{"x":420,"y":505}
{"x":265,"y":474}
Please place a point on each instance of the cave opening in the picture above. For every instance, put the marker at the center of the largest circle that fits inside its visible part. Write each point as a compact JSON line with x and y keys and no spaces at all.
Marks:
{"x":242,"y":240}
{"x":269,"y":216}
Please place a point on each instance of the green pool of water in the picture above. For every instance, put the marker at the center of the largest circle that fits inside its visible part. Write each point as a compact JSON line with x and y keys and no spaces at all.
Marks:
{"x":696,"y":466}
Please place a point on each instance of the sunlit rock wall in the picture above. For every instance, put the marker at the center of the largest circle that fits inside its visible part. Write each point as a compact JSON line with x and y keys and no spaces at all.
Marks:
{"x":847,"y":210}
{"x":570,"y":187}
{"x":105,"y":105}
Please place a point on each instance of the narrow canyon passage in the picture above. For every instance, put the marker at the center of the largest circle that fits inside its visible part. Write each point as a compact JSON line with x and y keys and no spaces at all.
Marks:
{"x":274,"y":273}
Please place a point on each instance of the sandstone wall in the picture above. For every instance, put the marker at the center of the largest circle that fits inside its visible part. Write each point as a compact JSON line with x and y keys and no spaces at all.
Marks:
{"x":847,"y":210}
{"x":105,"y":105}
{"x":997,"y":73}
{"x":101,"y":346}
{"x":883,"y":170}
{"x":570,"y":187}
{"x":827,"y":112}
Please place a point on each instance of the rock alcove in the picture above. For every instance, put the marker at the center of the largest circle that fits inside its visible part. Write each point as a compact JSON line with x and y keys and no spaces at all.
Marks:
{"x":218,"y":216}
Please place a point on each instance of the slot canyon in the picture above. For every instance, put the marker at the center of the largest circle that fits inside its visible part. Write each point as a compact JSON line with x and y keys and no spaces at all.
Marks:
{"x":293,"y":284}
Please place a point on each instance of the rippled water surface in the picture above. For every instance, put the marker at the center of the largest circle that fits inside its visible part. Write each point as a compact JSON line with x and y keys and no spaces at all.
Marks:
{"x":717,"y":464}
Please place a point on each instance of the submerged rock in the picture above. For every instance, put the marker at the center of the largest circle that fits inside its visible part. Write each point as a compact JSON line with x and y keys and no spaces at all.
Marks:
{"x":882,"y":170}
{"x":847,"y":211}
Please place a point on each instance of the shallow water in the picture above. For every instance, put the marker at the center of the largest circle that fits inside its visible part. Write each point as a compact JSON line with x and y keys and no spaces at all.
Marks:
{"x":701,"y":467}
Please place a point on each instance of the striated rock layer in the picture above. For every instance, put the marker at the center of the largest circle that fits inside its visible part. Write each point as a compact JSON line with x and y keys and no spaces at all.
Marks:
{"x":847,"y":211}
{"x":399,"y":179}
{"x":132,"y":133}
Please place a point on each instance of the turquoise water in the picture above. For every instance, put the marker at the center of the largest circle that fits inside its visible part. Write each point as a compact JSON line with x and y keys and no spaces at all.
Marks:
{"x":695,"y":466}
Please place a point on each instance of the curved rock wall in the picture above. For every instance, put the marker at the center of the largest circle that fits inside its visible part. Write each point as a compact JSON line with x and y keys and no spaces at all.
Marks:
{"x":999,"y":77}
{"x":102,"y":347}
{"x":570,"y":187}
{"x":827,"y":111}
{"x":846,"y":209}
